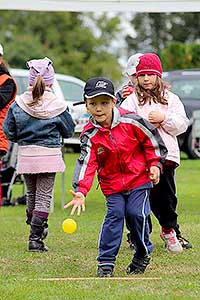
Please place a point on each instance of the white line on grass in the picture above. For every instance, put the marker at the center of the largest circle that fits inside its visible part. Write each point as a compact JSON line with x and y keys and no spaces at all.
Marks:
{"x":97,"y":278}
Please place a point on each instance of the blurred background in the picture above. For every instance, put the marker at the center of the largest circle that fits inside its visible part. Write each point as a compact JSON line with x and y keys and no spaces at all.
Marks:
{"x":85,"y":45}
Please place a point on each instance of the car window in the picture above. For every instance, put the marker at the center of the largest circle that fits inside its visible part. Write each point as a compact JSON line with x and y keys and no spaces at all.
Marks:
{"x":187,"y":88}
{"x":22,"y":83}
{"x":72,"y":91}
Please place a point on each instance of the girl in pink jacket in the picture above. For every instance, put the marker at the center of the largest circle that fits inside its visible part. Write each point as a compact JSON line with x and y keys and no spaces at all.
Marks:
{"x":154,"y":102}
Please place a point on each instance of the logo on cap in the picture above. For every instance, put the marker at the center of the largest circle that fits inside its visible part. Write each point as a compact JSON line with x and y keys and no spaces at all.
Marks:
{"x":101,"y":85}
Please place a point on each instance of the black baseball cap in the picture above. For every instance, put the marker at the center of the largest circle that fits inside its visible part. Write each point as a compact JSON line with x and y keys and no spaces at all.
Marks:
{"x":97,"y":86}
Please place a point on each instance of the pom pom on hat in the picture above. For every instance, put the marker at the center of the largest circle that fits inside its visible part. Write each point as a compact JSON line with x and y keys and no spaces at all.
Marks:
{"x":43,"y":67}
{"x":149,"y":63}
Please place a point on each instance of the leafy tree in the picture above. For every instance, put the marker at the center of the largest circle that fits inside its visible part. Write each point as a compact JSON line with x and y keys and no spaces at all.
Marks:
{"x":154,"y":31}
{"x":194,"y":50}
{"x":178,"y":55}
{"x":174,"y":56}
{"x":65,"y":37}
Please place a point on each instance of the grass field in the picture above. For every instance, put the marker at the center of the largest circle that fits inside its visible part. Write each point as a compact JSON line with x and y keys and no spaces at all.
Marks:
{"x":72,"y":256}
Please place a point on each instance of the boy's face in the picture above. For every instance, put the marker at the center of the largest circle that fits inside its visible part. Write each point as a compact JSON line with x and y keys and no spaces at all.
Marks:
{"x":101,"y":108}
{"x":148,"y":82}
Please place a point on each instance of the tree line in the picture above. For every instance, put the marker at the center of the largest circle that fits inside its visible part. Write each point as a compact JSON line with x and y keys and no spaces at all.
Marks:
{"x":174,"y":36}
{"x":81,"y":44}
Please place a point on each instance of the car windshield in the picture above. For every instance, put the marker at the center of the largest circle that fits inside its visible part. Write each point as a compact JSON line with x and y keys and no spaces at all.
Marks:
{"x":187,"y":88}
{"x":72,"y":92}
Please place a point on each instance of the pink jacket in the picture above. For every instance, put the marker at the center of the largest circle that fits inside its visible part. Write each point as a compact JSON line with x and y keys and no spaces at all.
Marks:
{"x":121,"y":155}
{"x":175,"y":122}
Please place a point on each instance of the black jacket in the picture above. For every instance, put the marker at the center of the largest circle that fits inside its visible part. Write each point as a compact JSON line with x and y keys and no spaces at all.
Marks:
{"x":7,"y":90}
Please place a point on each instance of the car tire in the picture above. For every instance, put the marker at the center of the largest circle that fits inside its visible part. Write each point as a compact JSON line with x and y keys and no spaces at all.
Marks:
{"x":189,"y":149}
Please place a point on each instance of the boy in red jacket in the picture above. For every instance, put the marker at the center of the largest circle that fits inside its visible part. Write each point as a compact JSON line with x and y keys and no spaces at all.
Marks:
{"x":127,"y":153}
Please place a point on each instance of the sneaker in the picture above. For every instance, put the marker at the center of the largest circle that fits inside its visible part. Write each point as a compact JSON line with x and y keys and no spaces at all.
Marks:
{"x":105,"y":271}
{"x":138,"y":265}
{"x":171,"y":241}
{"x":184,"y":243}
{"x":131,"y":244}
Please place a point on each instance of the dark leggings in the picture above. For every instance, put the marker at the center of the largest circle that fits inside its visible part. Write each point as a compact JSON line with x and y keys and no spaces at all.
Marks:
{"x":163,"y":199}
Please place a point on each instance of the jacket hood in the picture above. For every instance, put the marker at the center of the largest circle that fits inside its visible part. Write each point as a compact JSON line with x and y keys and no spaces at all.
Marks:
{"x":48,"y":107}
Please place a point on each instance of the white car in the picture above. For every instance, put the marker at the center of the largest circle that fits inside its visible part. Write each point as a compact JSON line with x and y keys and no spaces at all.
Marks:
{"x":65,"y":87}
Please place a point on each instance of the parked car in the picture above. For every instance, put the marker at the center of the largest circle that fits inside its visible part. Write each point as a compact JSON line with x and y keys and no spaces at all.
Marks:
{"x":72,"y":89}
{"x":65,"y":87}
{"x":186,"y":84}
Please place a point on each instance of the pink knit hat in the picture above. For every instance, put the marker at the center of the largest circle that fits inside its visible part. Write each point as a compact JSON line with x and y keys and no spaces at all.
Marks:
{"x":43,"y":67}
{"x":149,"y":63}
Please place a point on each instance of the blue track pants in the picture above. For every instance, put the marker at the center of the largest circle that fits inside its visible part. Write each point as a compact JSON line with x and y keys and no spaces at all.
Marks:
{"x":135,"y":208}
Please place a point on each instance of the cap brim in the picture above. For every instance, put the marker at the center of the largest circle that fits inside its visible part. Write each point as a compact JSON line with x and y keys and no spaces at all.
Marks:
{"x":78,"y":103}
{"x":99,"y":94}
{"x":131,"y":71}
{"x":124,"y":73}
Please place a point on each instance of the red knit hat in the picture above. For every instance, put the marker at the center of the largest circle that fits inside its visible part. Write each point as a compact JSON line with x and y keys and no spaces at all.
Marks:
{"x":149,"y":63}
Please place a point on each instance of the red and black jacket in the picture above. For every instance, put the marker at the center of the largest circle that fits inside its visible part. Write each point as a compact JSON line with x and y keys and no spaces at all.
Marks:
{"x":8,"y":91}
{"x":121,"y":155}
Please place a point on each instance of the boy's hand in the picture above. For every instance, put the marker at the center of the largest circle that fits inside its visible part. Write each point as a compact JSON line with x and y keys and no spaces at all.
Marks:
{"x":78,"y":203}
{"x":156,"y":117}
{"x":154,"y":174}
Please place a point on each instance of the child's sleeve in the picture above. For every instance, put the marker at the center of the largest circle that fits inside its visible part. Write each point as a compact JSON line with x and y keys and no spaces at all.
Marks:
{"x":7,"y":91}
{"x":66,"y":125}
{"x":151,"y":142}
{"x":85,"y":168}
{"x":176,"y":121}
{"x":9,"y":126}
{"x":130,"y":103}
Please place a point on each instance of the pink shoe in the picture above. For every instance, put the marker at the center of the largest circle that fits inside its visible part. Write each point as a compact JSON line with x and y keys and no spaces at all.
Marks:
{"x":171,"y":242}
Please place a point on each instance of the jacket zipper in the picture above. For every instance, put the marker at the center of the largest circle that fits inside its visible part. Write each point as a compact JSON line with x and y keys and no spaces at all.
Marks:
{"x":118,"y":156}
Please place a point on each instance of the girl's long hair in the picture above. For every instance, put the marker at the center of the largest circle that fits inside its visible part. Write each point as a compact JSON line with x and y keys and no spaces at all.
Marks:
{"x":38,"y":90}
{"x":156,"y":95}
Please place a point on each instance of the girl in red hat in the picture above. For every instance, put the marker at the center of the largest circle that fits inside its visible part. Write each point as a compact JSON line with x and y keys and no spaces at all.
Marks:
{"x":153,"y":101}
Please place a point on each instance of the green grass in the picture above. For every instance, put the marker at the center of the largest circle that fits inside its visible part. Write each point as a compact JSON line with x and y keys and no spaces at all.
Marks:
{"x":175,"y":276}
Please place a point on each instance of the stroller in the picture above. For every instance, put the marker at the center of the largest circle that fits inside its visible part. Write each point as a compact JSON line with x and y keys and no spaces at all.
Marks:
{"x":9,"y":177}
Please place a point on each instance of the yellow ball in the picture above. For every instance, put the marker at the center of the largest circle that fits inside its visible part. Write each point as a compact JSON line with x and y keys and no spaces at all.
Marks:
{"x":69,"y":226}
